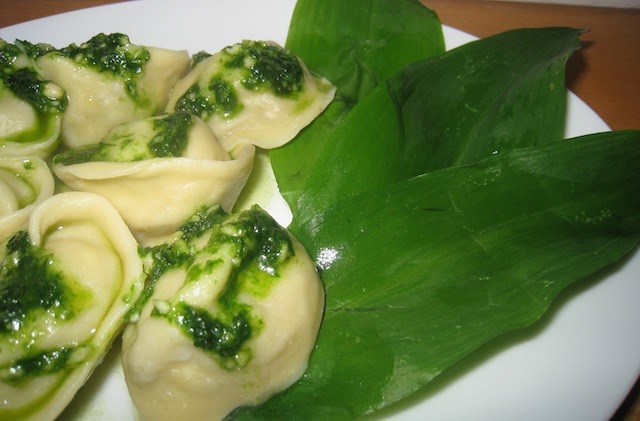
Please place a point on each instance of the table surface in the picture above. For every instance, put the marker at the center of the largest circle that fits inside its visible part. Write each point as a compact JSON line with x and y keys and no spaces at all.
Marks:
{"x":604,"y":73}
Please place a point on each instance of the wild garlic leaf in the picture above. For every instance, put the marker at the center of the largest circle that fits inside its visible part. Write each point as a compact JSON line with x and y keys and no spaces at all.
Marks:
{"x":484,"y":98}
{"x":421,"y":273}
{"x":355,"y":44}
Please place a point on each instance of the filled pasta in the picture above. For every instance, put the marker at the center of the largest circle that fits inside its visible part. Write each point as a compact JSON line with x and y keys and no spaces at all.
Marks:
{"x":154,"y":177}
{"x":230,"y":318}
{"x":31,"y":107}
{"x":109,"y":81}
{"x":67,"y":283}
{"x":24,"y":183}
{"x":254,"y":92}
{"x":158,"y":171}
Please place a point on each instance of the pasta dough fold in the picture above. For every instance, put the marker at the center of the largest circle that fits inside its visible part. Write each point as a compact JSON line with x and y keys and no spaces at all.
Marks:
{"x":253,"y":92}
{"x":230,"y":323}
{"x":156,"y":195}
{"x":24,"y":183}
{"x":31,"y":107}
{"x":101,"y":98}
{"x":68,"y":283}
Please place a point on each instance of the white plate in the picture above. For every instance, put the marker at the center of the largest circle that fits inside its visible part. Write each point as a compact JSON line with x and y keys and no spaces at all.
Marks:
{"x":577,"y":364}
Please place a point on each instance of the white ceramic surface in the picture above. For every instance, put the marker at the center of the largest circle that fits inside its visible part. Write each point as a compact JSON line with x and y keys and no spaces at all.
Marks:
{"x":576,"y":364}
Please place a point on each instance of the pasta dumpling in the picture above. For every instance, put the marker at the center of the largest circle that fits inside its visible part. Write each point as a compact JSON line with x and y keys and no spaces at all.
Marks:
{"x":67,"y":283}
{"x":31,"y":107}
{"x":158,"y":171}
{"x":109,"y":81}
{"x":24,"y":183}
{"x":254,"y":92}
{"x":232,"y":314}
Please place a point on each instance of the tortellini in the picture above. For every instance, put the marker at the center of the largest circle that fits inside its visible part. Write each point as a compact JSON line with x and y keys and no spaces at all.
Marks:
{"x":108,"y":81}
{"x":68,"y":282}
{"x":252,"y":92}
{"x":157,"y":175}
{"x":233,"y":317}
{"x":24,"y":183}
{"x":31,"y":107}
{"x":130,"y":223}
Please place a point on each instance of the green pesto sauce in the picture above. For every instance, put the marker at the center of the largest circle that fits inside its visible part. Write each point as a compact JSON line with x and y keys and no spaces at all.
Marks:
{"x":44,"y":127}
{"x":169,"y":137}
{"x":29,"y":282}
{"x":266,"y":67}
{"x":9,"y":53}
{"x":34,"y":51}
{"x":219,"y":98}
{"x":30,"y":288}
{"x":255,"y":246}
{"x":40,"y":364}
{"x":172,"y":135}
{"x":27,"y":85}
{"x":259,"y":241}
{"x":19,"y":79}
{"x":160,"y":259}
{"x":221,"y":336}
{"x":157,"y":261}
{"x":113,"y":54}
{"x":198,"y":57}
{"x":225,"y":96}
{"x":202,"y":221}
{"x":23,"y":80}
{"x":257,"y":66}
{"x":78,"y":156}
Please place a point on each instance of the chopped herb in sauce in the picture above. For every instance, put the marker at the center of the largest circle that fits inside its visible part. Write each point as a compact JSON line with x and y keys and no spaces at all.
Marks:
{"x":156,"y":137}
{"x":218,"y":98}
{"x":42,"y":363}
{"x":29,"y":283}
{"x":198,"y":57}
{"x":28,"y":86}
{"x":114,"y":54}
{"x":19,"y":76}
{"x":254,"y":246}
{"x":172,"y":135}
{"x":254,"y":65}
{"x":222,"y":336}
{"x":266,"y":67}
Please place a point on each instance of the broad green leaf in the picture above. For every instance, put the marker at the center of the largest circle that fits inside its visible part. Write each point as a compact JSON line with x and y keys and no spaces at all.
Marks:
{"x":423,"y":272}
{"x":356,"y":44}
{"x":483,"y":98}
